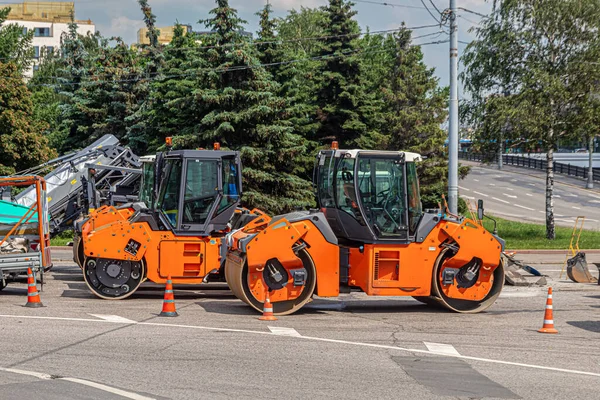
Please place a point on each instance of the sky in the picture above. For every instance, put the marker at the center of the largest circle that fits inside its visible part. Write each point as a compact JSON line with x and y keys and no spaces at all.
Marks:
{"x":123,"y":18}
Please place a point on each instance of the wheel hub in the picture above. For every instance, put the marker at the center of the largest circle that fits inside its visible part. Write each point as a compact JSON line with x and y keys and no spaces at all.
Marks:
{"x":113,"y":279}
{"x":113,"y":270}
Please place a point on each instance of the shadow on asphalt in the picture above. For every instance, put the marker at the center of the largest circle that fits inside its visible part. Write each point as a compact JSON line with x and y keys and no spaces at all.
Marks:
{"x":592,"y":326}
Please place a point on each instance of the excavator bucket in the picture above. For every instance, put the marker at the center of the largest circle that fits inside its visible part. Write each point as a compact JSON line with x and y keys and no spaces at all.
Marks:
{"x":578,"y":271}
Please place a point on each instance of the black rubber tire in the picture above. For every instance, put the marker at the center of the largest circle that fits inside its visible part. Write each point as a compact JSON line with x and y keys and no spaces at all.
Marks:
{"x":280,"y":307}
{"x":466,"y":306}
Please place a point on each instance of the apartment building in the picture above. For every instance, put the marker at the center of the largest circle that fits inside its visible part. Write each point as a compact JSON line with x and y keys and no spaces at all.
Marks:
{"x":48,"y":21}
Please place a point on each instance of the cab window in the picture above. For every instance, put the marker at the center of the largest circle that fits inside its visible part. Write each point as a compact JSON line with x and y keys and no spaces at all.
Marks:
{"x":201,"y":190}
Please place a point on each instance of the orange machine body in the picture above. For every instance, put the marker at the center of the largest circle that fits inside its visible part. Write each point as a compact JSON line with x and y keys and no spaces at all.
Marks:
{"x":376,"y":269}
{"x":369,"y":234}
{"x":186,"y":259}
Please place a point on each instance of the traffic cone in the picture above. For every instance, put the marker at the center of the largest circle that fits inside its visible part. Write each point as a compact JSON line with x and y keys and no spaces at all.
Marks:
{"x":168,"y":309}
{"x":267,"y":308}
{"x":33,"y":296}
{"x":548,"y":320}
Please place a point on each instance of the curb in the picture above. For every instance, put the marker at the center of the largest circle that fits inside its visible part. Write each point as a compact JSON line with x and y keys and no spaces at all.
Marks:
{"x":552,"y":251}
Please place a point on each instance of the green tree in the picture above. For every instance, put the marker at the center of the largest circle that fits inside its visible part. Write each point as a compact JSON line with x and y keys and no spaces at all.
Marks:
{"x":15,"y":45}
{"x":106,"y":97}
{"x":171,"y":107}
{"x":414,"y":110}
{"x":344,"y":108}
{"x":245,"y":113}
{"x":21,"y":144}
{"x":520,"y":75}
{"x":151,"y":61}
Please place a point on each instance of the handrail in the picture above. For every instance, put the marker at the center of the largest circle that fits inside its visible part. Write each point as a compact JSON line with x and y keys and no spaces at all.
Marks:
{"x":533,"y":163}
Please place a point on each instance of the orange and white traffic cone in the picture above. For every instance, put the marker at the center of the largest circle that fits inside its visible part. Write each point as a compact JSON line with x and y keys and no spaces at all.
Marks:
{"x":33,"y":296}
{"x":168,"y":309}
{"x":548,"y":319}
{"x":267,"y":308}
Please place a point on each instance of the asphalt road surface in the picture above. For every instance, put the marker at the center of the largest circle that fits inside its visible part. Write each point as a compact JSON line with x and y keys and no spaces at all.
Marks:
{"x":352,"y":347}
{"x":520,"y":194}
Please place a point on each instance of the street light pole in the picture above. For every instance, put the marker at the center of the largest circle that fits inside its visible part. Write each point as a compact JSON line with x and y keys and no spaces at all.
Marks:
{"x":453,"y":114}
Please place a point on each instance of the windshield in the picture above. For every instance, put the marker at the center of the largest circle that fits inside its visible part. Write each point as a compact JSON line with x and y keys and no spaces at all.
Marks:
{"x":382,"y":193}
{"x":147,"y":184}
{"x":201,"y":190}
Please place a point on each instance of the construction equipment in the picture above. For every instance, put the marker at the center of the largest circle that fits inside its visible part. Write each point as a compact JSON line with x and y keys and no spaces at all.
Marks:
{"x":99,"y":213}
{"x":577,"y":267}
{"x":370,"y":234}
{"x":17,"y":255}
{"x":578,"y":271}
{"x":66,"y":183}
{"x":178,"y":233}
{"x":517,"y":273}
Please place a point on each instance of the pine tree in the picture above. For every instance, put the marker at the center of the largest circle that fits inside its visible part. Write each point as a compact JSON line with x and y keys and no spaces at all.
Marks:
{"x":246,"y":114}
{"x":415,"y":108}
{"x":344,"y":107}
{"x":140,"y":134}
{"x":171,"y":107}
{"x":106,"y":97}
{"x":21,"y":143}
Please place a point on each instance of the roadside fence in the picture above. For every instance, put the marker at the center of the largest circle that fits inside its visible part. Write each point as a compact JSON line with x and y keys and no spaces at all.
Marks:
{"x":534,"y":163}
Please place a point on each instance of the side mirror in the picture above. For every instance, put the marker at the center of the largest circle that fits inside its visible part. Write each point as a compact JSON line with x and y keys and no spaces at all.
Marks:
{"x":480,"y":209}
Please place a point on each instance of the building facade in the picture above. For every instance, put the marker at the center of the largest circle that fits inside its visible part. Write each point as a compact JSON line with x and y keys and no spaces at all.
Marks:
{"x":48,"y":21}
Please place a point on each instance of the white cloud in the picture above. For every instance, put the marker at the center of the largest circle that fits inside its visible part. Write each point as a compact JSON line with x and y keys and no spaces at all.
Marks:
{"x":122,"y":26}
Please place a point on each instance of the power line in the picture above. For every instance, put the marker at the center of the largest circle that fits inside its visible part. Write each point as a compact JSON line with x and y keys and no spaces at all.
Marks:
{"x":157,"y":76}
{"x":385,"y":3}
{"x":261,"y":43}
{"x":471,"y":11}
{"x":430,"y":13}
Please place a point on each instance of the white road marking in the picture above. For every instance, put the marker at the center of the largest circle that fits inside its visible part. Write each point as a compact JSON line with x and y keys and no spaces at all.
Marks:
{"x":317,"y":339}
{"x":492,"y":184}
{"x":476,"y":180}
{"x":532,"y":184}
{"x":590,"y":219}
{"x":504,"y":293}
{"x":282,"y":331}
{"x":510,"y":195}
{"x":576,"y":208}
{"x":511,"y":189}
{"x":463,"y":188}
{"x":595,"y":201}
{"x":469,"y":197}
{"x":497,"y":199}
{"x":572,"y":195}
{"x":526,"y":208}
{"x":514,"y":180}
{"x":557,"y":195}
{"x":481,"y":194}
{"x":119,"y":392}
{"x":441,"y":348}
{"x":529,"y":194}
{"x":114,"y":318}
{"x":38,"y":375}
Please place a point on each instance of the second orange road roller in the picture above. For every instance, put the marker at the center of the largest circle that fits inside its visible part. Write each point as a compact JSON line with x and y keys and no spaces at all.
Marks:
{"x":369,"y":234}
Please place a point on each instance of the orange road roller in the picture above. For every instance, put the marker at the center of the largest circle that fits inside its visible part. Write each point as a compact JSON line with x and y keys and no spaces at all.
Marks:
{"x":369,"y":234}
{"x":177,"y":232}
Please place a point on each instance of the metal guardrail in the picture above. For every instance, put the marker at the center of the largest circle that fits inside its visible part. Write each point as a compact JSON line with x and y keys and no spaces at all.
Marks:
{"x":534,"y":163}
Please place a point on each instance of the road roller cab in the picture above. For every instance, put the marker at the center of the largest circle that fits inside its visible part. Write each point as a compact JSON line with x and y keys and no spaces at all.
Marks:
{"x":370,"y":234}
{"x":196,"y":194}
